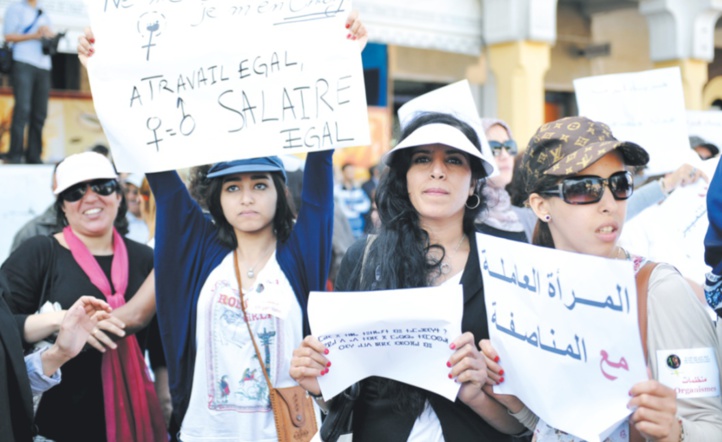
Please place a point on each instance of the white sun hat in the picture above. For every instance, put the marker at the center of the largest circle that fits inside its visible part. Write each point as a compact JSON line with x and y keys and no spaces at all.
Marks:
{"x":81,"y":167}
{"x":456,"y":100}
{"x":438,"y":133}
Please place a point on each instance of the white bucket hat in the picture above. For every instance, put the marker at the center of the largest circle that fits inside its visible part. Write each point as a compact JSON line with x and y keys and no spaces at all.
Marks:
{"x":81,"y":167}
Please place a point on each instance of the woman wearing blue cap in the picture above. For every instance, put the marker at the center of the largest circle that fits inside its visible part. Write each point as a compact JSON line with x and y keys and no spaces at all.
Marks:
{"x":217,"y":381}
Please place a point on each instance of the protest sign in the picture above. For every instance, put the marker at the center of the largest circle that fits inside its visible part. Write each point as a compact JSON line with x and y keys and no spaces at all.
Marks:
{"x":644,"y":107}
{"x":674,"y":231}
{"x":564,"y":325}
{"x":19,"y":207}
{"x":181,"y":83}
{"x":397,"y":334}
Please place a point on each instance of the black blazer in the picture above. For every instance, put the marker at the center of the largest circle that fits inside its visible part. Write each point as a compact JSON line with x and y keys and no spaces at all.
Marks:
{"x":16,"y":403}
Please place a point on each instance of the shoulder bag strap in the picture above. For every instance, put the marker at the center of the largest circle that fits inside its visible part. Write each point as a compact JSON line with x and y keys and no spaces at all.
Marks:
{"x":25,"y":31}
{"x":245,"y":317}
{"x":642,"y":279}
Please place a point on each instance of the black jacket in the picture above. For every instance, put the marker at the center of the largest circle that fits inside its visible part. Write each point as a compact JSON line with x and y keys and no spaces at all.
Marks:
{"x":16,"y":403}
{"x":374,"y":418}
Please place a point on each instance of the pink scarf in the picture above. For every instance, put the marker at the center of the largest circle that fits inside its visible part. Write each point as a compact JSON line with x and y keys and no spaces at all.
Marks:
{"x":132,"y":410}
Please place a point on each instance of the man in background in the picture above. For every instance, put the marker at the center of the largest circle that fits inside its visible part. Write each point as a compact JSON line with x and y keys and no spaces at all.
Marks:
{"x":352,"y":200}
{"x":25,"y":24}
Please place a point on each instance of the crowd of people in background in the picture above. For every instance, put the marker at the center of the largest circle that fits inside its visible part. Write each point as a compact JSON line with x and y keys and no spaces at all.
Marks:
{"x":121,"y":266}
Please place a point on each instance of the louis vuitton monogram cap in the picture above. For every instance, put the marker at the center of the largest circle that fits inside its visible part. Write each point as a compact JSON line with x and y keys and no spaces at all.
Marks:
{"x":569,"y":145}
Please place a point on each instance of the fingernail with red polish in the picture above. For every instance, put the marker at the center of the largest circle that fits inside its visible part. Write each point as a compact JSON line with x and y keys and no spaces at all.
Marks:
{"x":354,"y":38}
{"x":501,"y":379}
{"x":448,"y":364}
{"x":328,"y":364}
{"x":450,"y":376}
{"x":501,"y":372}
{"x":496,"y":359}
{"x":452,"y":346}
{"x":348,"y":36}
{"x":325,"y":351}
{"x":348,"y":25}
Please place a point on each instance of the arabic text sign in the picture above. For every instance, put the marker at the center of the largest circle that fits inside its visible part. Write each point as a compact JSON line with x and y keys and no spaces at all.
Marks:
{"x":182,"y":83}
{"x":396,"y":334}
{"x":644,"y":107}
{"x":674,"y":231}
{"x":563,"y":323}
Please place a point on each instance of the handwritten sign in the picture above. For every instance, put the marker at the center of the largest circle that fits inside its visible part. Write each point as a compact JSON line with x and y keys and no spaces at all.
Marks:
{"x":564,"y":324}
{"x":397,"y":334}
{"x":674,"y":230}
{"x":180,"y":83}
{"x":644,"y":107}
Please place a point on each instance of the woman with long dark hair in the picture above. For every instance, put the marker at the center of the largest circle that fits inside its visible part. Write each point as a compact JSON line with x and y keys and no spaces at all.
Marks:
{"x":255,"y":256}
{"x":427,"y":201}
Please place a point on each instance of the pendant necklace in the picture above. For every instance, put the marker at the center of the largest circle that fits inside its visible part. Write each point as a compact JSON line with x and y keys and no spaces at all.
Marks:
{"x":250,"y":273}
{"x":445,"y":267}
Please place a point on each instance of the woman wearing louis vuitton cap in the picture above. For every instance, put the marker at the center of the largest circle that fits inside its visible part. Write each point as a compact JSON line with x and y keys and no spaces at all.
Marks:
{"x":578,"y":186}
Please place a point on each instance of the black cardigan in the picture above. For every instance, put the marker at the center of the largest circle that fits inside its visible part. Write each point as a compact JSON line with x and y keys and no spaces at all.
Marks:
{"x":374,"y":418}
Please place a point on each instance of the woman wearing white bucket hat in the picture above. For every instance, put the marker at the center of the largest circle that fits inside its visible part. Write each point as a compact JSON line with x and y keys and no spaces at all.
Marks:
{"x":89,"y":257}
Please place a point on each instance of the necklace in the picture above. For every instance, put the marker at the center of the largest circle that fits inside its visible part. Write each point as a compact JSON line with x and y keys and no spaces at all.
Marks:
{"x":446,"y":267}
{"x":250,"y":273}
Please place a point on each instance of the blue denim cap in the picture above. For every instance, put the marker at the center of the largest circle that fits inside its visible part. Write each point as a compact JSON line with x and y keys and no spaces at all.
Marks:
{"x":265,"y":164}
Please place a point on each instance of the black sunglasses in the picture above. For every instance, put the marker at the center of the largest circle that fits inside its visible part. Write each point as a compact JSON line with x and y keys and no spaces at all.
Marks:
{"x":509,"y":145}
{"x":102,"y":187}
{"x":589,"y":189}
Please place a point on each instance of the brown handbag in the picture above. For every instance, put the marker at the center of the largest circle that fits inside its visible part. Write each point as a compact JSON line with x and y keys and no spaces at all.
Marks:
{"x":293,"y":409}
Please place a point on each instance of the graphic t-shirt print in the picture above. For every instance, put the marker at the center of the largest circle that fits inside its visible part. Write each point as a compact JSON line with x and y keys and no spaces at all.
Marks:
{"x":236,"y":381}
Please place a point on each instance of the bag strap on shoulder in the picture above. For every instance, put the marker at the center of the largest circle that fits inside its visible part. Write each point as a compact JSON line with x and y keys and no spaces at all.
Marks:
{"x":25,"y":31}
{"x":248,"y":324}
{"x":642,"y":279}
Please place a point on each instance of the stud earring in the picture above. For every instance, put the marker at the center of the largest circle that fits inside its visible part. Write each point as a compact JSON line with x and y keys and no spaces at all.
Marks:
{"x":547,"y":218}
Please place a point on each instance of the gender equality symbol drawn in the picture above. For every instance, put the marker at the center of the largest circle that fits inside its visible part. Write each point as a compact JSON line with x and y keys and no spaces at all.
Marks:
{"x":149,"y":24}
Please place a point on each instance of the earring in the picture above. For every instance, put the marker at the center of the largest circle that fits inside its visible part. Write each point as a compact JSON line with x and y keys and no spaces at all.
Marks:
{"x":547,"y":218}
{"x":474,"y":206}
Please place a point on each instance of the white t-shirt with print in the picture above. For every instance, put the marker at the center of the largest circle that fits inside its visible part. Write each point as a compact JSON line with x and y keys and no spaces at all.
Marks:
{"x":229,"y":398}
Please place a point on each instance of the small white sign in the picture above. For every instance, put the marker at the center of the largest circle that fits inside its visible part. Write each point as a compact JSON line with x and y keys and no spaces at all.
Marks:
{"x":396,"y":334}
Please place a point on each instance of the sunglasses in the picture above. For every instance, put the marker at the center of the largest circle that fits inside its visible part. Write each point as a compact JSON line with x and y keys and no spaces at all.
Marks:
{"x":103,"y":187}
{"x":589,"y":189}
{"x":509,"y":145}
